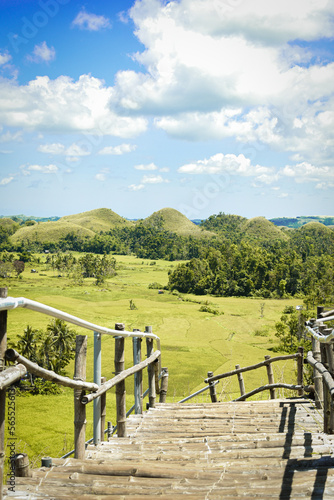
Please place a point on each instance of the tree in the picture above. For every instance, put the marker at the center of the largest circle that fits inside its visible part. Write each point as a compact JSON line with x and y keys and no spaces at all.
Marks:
{"x":18,"y":266}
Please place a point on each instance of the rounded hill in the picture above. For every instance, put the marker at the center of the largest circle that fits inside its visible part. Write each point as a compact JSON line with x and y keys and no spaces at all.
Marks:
{"x":173,"y":221}
{"x":49,"y":232}
{"x":260,"y":229}
{"x":101,"y":219}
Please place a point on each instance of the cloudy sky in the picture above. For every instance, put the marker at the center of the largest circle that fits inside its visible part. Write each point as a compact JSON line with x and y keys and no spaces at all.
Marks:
{"x":205,"y":106}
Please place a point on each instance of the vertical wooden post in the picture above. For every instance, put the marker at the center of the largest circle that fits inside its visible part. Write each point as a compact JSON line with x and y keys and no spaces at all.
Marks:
{"x":212,"y":386}
{"x":241,"y":381}
{"x":270,"y":374}
{"x":3,"y":346}
{"x":97,"y":380}
{"x":300,"y":370}
{"x":150,"y":370}
{"x":318,"y":387}
{"x":330,"y":361}
{"x":79,"y":408}
{"x":138,"y":377}
{"x":120,"y":387}
{"x":327,"y":398}
{"x":21,"y":465}
{"x":103,"y":409}
{"x":164,"y":386}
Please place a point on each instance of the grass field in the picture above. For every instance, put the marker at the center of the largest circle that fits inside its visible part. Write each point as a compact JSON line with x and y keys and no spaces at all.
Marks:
{"x":192,"y":342}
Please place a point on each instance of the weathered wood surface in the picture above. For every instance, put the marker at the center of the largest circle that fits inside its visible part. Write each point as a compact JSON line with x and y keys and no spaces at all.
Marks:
{"x":271,"y":449}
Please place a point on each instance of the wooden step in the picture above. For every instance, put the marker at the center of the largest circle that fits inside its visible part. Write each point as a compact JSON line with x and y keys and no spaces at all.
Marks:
{"x":266,"y":449}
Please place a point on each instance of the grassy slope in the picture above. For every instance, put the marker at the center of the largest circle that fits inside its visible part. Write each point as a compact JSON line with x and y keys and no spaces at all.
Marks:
{"x":49,"y":232}
{"x":260,"y":229}
{"x":192,"y":342}
{"x":102,"y":219}
{"x":176,"y":222}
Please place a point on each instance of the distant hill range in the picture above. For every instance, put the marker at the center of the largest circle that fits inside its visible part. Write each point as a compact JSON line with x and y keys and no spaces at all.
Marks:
{"x":91,"y":223}
{"x":295,"y":222}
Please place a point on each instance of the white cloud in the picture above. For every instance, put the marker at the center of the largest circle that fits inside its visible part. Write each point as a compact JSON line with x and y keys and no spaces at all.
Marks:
{"x":231,"y":164}
{"x":101,"y":177}
{"x":117,"y":150}
{"x":6,"y":180}
{"x":11,"y":137}
{"x":72,"y":151}
{"x":42,"y":169}
{"x":4,"y":58}
{"x":64,"y":105}
{"x":136,"y":187}
{"x":149,"y":166}
{"x":42,"y":53}
{"x":91,"y":22}
{"x":306,"y":172}
{"x":153,"y":179}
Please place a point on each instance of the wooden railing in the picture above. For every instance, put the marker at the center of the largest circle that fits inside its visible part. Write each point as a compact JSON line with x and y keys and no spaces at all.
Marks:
{"x":321,"y":358}
{"x":84,"y":392}
{"x":271,"y":386}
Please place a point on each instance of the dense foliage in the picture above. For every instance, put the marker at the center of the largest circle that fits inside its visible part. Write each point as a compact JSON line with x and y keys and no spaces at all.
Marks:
{"x":242,"y":257}
{"x":52,"y":350}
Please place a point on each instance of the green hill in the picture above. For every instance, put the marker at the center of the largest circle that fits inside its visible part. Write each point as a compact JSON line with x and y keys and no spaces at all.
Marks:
{"x":260,"y":229}
{"x":101,"y":219}
{"x":45,"y":232}
{"x":173,"y":221}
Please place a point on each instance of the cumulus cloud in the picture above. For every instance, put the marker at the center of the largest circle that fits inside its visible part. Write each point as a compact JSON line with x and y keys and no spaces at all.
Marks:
{"x":4,"y":58}
{"x":231,"y":164}
{"x":153,"y":179}
{"x":90,"y":22}
{"x":74,"y":150}
{"x":64,"y":105}
{"x":41,"y":169}
{"x":306,"y":172}
{"x":6,"y":180}
{"x":42,"y":53}
{"x":149,"y":166}
{"x":11,"y":137}
{"x":136,"y":187}
{"x":118,"y":150}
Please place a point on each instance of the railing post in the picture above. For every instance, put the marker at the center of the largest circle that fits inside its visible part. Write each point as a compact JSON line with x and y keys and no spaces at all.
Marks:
{"x":164,"y":386}
{"x":97,"y":380}
{"x":326,"y":395}
{"x":241,"y":381}
{"x":3,"y":346}
{"x":330,"y":361}
{"x":212,"y":386}
{"x":300,"y":370}
{"x":270,"y":374}
{"x":150,"y":370}
{"x":79,"y":408}
{"x":138,"y":377}
{"x":120,"y":387}
{"x":318,"y":386}
{"x":103,"y":398}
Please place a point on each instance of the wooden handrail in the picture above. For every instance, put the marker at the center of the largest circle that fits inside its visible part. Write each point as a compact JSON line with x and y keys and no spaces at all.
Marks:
{"x":11,"y":375}
{"x":252,"y":367}
{"x":119,"y":378}
{"x":326,"y":376}
{"x":269,"y":387}
{"x":13,"y":355}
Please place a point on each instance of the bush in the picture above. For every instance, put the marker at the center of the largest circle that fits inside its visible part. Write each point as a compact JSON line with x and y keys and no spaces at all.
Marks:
{"x":209,"y":309}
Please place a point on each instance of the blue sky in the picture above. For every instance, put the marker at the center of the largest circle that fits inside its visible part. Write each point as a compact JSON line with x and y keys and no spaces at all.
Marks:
{"x":205,"y":106}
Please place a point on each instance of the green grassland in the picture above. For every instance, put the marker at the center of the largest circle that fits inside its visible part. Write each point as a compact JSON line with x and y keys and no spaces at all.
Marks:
{"x":175,"y":222}
{"x":192,"y":342}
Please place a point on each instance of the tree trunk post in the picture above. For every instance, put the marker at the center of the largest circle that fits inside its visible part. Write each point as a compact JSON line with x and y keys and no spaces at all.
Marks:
{"x":270,"y":374}
{"x":330,"y":361}
{"x":318,"y":387}
{"x":103,"y":398}
{"x":3,"y":346}
{"x":150,"y":370}
{"x":327,"y":398}
{"x":164,"y":386}
{"x":212,"y":386}
{"x":138,"y":377}
{"x":21,"y":465}
{"x":300,"y":370}
{"x":241,"y":381}
{"x":79,"y":408}
{"x":97,"y":380}
{"x":120,"y":387}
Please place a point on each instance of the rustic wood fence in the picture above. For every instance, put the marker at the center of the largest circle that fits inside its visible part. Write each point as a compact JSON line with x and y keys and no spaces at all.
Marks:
{"x":85,"y":392}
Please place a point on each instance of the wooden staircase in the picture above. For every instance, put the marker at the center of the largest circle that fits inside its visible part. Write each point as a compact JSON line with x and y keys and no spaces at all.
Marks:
{"x":258,"y":449}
